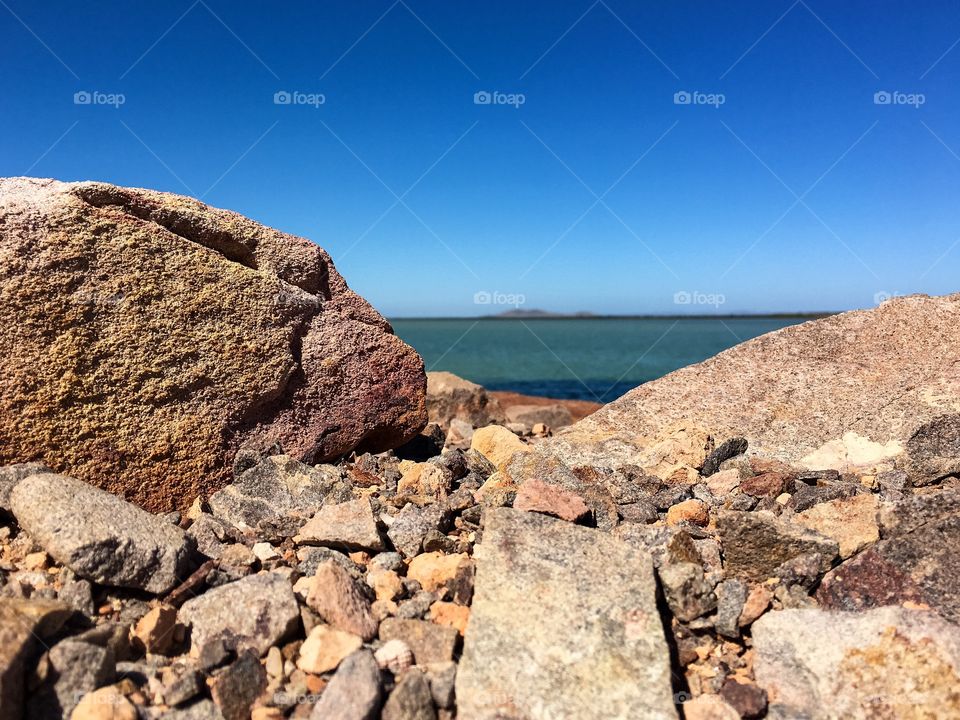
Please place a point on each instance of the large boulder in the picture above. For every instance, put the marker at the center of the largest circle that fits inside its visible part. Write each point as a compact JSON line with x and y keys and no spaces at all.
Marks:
{"x":152,"y":337}
{"x":859,"y":389}
{"x":450,"y":397}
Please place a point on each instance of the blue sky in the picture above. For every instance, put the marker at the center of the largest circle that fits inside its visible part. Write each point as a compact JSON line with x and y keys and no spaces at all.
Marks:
{"x":784,"y":184}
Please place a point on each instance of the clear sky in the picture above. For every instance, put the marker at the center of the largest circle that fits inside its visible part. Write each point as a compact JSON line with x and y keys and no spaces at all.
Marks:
{"x":776,"y":180}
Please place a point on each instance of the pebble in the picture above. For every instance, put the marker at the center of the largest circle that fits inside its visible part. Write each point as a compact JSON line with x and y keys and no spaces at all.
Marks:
{"x":348,"y":525}
{"x":354,"y":691}
{"x":324,"y":649}
{"x":236,"y":688}
{"x":435,"y":570}
{"x":155,"y":630}
{"x":336,"y":597}
{"x":411,"y":699}
{"x":695,"y":512}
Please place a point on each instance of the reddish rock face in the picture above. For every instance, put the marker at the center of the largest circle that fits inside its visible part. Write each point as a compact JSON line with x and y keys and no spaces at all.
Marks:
{"x":147,"y":339}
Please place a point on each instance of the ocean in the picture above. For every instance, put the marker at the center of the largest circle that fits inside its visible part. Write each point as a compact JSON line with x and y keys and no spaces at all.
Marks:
{"x":596,"y":359}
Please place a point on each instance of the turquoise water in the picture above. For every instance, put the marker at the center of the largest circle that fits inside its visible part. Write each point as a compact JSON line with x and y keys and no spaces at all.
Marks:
{"x":589,"y":359}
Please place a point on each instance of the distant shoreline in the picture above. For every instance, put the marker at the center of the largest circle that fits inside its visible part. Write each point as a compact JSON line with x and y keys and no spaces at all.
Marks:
{"x":732,"y":316}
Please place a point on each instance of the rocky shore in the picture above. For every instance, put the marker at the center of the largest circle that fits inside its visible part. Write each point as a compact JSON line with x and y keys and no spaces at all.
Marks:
{"x":773,"y":533}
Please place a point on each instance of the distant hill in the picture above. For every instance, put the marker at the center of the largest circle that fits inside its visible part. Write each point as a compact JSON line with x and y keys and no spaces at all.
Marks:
{"x":535,"y":313}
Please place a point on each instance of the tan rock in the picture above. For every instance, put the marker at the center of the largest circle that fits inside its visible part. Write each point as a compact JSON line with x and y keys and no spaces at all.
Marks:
{"x":852,"y":522}
{"x":234,"y":336}
{"x":409,"y":483}
{"x":448,"y":613}
{"x":349,"y":525}
{"x":756,"y":604}
{"x":35,"y":561}
{"x":324,"y":649}
{"x":434,"y":569}
{"x":695,"y":512}
{"x":449,"y":397}
{"x":497,"y":444}
{"x":107,"y":703}
{"x":709,"y":707}
{"x":335,"y":597}
{"x":724,"y":482}
{"x":535,"y":495}
{"x":890,"y":376}
{"x":385,"y":583}
{"x":155,"y":631}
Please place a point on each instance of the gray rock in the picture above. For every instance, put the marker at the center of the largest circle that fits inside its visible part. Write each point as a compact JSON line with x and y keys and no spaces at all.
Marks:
{"x":181,"y":683}
{"x":912,"y":511}
{"x":412,"y":525}
{"x":340,"y":601}
{"x":100,"y":536}
{"x":442,"y":678}
{"x":547,"y":640}
{"x":934,"y":449}
{"x":731,"y":595}
{"x":278,"y":486}
{"x":354,"y":692}
{"x":211,"y":535}
{"x":76,"y":668}
{"x":235,"y":688}
{"x":726,"y":450}
{"x":888,"y":662}
{"x":755,"y":544}
{"x":10,"y":475}
{"x":76,"y":592}
{"x":688,"y":593}
{"x":253,"y":613}
{"x":310,"y":558}
{"x":349,"y":525}
{"x":200,"y":710}
{"x":411,"y":699}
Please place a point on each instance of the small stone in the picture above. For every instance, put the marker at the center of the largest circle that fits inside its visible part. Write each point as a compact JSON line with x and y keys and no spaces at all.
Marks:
{"x":413,"y":524}
{"x":435,"y":570}
{"x":852,"y":522}
{"x":35,"y":561}
{"x":235,"y":689}
{"x":110,"y":541}
{"x":497,"y":444}
{"x":724,"y":482}
{"x":731,"y":596}
{"x":256,"y":612}
{"x":386,"y":584}
{"x":695,"y":512}
{"x":107,"y":703}
{"x":756,"y":604}
{"x":768,"y":484}
{"x":411,"y":699}
{"x":180,"y":683}
{"x":417,"y":606}
{"x":448,"y":613}
{"x":349,"y":525}
{"x":726,"y":450}
{"x":638,"y":512}
{"x":687,"y":591}
{"x":324,"y":649}
{"x":336,"y":598}
{"x":264,"y":552}
{"x":354,"y":691}
{"x":274,"y":662}
{"x":442,"y":678}
{"x":709,"y":707}
{"x":429,"y":642}
{"x":155,"y":630}
{"x":535,"y":495}
{"x":748,"y":700}
{"x":76,"y":668}
{"x":755,"y":544}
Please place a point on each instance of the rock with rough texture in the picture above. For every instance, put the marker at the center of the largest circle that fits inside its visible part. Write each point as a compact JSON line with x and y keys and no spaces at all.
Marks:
{"x":276,"y":486}
{"x":100,"y":536}
{"x":324,"y":649}
{"x":107,"y":703}
{"x":547,"y":640}
{"x":349,"y":525}
{"x":553,"y":416}
{"x":157,"y":336}
{"x":10,"y":475}
{"x":852,"y":522}
{"x":535,"y":495}
{"x":354,"y":692}
{"x":799,"y":394}
{"x":337,"y":598}
{"x":888,"y":662}
{"x":76,"y":668}
{"x":922,"y":566}
{"x":253,"y":613}
{"x":237,"y":687}
{"x":450,"y":397}
{"x":411,"y":699}
{"x":25,"y":625}
{"x":429,"y":643}
{"x":755,"y":544}
{"x":497,"y":444}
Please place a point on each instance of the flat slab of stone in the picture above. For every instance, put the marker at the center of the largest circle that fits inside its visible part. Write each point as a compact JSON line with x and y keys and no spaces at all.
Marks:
{"x":564,"y":624}
{"x":100,"y":536}
{"x":884,"y":663}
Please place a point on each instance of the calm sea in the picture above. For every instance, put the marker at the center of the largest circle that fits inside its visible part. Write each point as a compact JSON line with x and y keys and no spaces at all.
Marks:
{"x":588,"y":359}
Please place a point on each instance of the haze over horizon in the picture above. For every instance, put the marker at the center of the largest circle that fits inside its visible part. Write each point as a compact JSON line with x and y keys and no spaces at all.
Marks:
{"x":788,"y":156}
